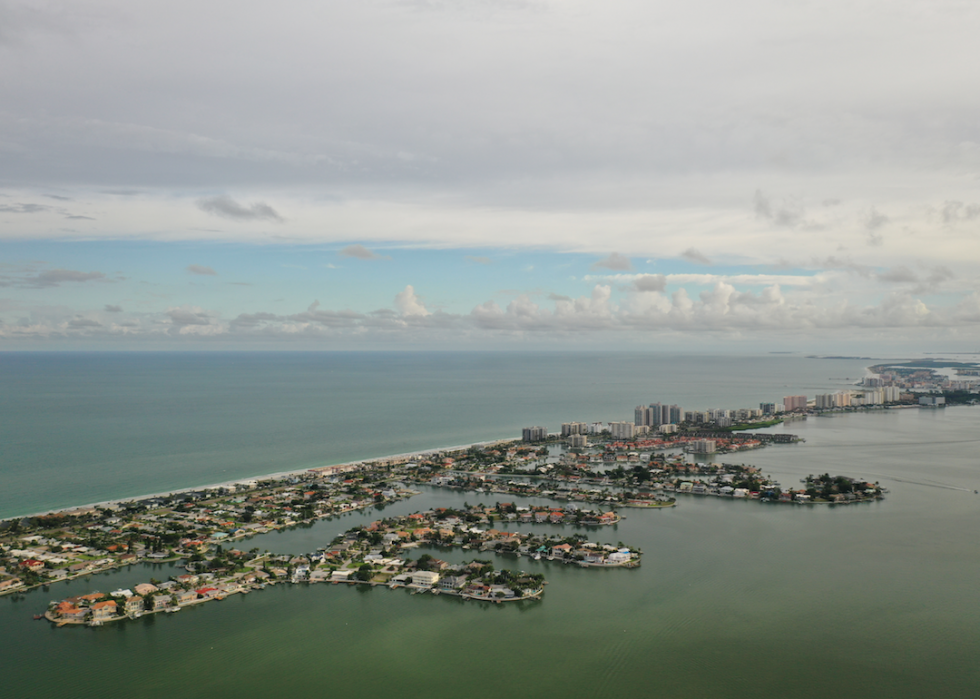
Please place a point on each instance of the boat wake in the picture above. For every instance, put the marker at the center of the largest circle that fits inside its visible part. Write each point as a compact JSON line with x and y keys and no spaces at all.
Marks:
{"x":932,"y":484}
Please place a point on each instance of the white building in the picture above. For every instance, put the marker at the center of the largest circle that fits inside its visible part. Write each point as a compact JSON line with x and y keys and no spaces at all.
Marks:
{"x":622,"y":430}
{"x":425,"y":578}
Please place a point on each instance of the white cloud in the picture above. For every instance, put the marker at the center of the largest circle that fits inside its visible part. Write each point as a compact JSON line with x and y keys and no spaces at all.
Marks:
{"x":409,"y":304}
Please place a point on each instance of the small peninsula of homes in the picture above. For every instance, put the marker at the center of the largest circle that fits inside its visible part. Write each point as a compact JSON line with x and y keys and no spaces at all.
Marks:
{"x":376,"y":554}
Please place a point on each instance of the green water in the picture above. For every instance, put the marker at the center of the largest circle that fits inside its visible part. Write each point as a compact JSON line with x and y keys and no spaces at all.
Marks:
{"x":734,"y":599}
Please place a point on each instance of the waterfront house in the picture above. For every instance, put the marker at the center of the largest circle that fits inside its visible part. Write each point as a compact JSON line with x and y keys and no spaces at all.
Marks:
{"x":452,"y":582}
{"x":133,"y":604}
{"x":561,"y":550}
{"x":425,"y":578}
{"x":621,"y":556}
{"x":73,"y":613}
{"x":103,"y":610}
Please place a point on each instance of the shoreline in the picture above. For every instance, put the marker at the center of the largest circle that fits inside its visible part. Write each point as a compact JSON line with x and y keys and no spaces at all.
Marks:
{"x":73,"y":509}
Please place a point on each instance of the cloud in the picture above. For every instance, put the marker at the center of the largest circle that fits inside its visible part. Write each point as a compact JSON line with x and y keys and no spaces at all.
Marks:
{"x":360,"y":252}
{"x":408,"y":304}
{"x":833,"y":262}
{"x":480,"y":260}
{"x":202,"y":270}
{"x":79,"y":217}
{"x":252,"y":320}
{"x":787,"y":213}
{"x":953,"y":212}
{"x":82,"y":323}
{"x":784,"y":213}
{"x":939,"y":274}
{"x":898,"y":275}
{"x":227,"y":207}
{"x":188,"y":315}
{"x":695,"y":256}
{"x":109,"y":308}
{"x":56,"y":277}
{"x":615,"y":262}
{"x":23,"y":208}
{"x":57,"y":197}
{"x":874,"y":219}
{"x":650,"y":282}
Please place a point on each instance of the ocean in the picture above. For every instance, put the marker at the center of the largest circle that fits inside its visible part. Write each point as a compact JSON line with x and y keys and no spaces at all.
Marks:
{"x":734,"y":599}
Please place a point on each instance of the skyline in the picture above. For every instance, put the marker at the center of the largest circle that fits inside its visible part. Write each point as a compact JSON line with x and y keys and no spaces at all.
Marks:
{"x":507,"y":174}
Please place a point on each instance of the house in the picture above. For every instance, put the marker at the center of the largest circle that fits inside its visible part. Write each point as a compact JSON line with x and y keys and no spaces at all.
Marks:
{"x":134,"y":605}
{"x":452,"y":582}
{"x":73,"y":613}
{"x":103,"y":610}
{"x":561,"y":550}
{"x":425,"y":578}
{"x":594,"y":557}
{"x":619,"y":557}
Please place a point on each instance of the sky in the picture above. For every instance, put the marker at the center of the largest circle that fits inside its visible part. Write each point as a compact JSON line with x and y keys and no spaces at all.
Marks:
{"x":699,"y":176}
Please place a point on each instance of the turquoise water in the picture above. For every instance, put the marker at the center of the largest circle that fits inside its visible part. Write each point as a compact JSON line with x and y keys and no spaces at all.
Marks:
{"x":734,"y":600}
{"x":83,"y":428}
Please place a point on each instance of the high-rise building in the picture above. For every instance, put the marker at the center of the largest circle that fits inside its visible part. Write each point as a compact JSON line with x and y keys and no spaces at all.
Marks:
{"x":578,"y":441}
{"x":622,"y":430}
{"x":767,"y":408}
{"x":643,"y":415}
{"x":568,"y":428}
{"x":791,"y":403}
{"x":534,"y":434}
{"x":663,"y":414}
{"x":703,"y":446}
